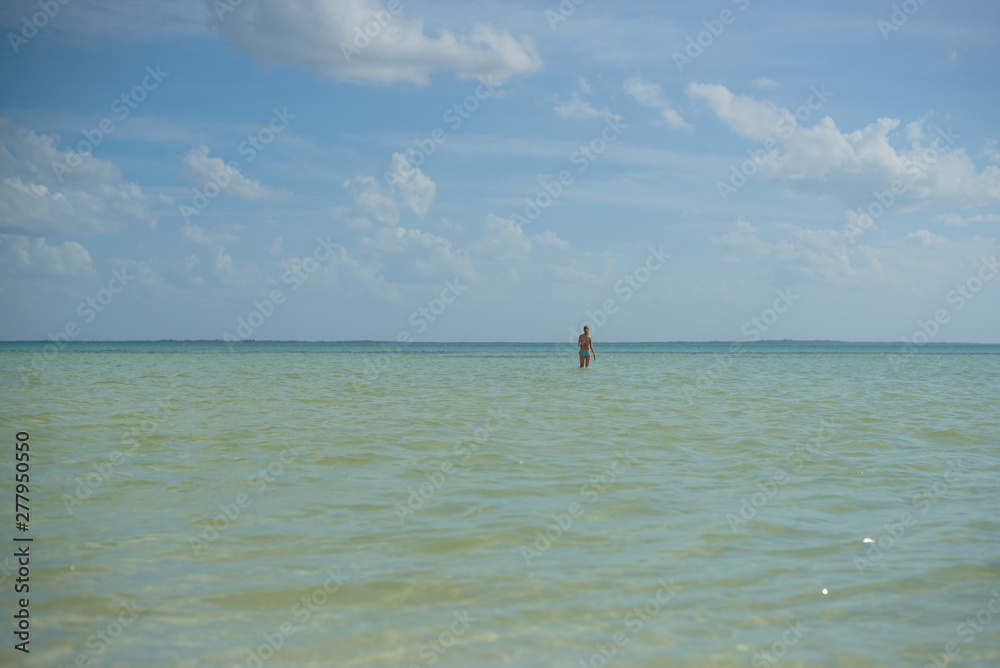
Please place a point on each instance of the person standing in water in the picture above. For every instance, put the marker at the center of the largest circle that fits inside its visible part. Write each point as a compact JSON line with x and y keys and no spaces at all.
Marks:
{"x":586,"y":348}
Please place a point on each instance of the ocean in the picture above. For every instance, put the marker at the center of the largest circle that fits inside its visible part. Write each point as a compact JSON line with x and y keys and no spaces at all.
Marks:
{"x":373,"y":504}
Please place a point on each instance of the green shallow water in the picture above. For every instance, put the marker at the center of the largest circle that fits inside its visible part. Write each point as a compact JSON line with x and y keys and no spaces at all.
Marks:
{"x":736,"y":486}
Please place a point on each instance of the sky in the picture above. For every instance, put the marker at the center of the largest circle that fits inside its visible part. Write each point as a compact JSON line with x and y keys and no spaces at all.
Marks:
{"x":410,"y":170}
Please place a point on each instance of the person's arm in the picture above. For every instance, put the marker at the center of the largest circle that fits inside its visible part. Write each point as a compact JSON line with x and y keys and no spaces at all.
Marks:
{"x":592,"y":351}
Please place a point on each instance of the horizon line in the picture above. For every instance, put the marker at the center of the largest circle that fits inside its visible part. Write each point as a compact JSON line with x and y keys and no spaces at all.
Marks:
{"x":391,"y":341}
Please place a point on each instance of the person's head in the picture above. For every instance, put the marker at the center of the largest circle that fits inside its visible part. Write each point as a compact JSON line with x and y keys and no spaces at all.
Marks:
{"x":586,"y":329}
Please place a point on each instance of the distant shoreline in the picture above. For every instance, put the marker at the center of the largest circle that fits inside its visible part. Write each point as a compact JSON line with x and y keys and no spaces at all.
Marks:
{"x":762,"y":342}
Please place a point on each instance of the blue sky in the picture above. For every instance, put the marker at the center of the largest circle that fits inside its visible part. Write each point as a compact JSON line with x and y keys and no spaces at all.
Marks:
{"x":500,"y":171}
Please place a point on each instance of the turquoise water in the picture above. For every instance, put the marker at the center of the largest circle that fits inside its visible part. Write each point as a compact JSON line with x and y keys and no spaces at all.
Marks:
{"x":366,"y":504}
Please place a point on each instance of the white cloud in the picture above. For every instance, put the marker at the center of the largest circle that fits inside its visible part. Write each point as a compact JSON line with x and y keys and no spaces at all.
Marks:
{"x":208,"y":267}
{"x":211,"y":267}
{"x":990,"y":150}
{"x":813,"y":255}
{"x":410,"y":255}
{"x":373,"y":199}
{"x":509,"y":258}
{"x":83,"y":196}
{"x":502,"y":240}
{"x":743,"y":114}
{"x":344,"y":275}
{"x":452,"y":227}
{"x":328,"y":274}
{"x":955,"y":219}
{"x":218,"y":236}
{"x":585,"y":271}
{"x":822,"y":161}
{"x":579,"y":109}
{"x":229,"y":273}
{"x":413,"y":190}
{"x":324,"y":37}
{"x":205,"y":169}
{"x":915,"y":131}
{"x":416,"y":190}
{"x":825,"y":256}
{"x":276,"y":248}
{"x":33,"y":257}
{"x":950,"y":219}
{"x":744,"y":239}
{"x":649,"y":95}
{"x":766,"y":84}
{"x":925,"y":238}
{"x":550,"y":239}
{"x":349,"y":216}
